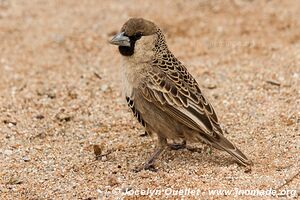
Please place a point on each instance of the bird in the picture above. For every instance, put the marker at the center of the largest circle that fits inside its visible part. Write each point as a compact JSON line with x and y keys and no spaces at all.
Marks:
{"x":163,"y":96}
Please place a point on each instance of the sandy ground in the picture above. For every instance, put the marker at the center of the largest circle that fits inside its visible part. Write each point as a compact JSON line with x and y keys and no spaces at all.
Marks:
{"x":59,"y":96}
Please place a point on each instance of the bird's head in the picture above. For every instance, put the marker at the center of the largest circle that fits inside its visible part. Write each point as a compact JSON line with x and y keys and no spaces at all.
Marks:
{"x":137,"y":37}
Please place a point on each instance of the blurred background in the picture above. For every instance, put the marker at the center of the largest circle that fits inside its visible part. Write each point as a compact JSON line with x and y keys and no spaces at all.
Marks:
{"x":59,"y":94}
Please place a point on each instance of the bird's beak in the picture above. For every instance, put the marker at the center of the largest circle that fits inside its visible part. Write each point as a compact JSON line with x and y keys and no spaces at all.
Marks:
{"x":121,"y":40}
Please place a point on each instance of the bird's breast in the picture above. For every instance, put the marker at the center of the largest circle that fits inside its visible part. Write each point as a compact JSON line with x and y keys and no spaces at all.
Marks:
{"x":132,"y":75}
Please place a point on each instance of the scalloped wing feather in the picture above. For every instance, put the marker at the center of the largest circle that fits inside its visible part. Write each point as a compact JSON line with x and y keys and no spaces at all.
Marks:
{"x":176,"y":92}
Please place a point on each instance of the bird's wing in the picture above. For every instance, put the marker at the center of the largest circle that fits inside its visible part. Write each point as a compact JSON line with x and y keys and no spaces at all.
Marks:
{"x":174,"y":90}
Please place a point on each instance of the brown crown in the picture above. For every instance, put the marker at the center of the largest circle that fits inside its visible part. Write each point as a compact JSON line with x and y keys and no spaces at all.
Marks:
{"x":135,"y":25}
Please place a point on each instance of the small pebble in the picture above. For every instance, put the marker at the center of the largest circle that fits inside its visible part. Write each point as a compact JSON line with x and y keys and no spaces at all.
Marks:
{"x":97,"y":151}
{"x":104,"y":158}
{"x":112,"y":181}
{"x":26,"y":159}
{"x":104,"y":88}
{"x":59,"y":39}
{"x":7,"y":152}
{"x":39,"y":116}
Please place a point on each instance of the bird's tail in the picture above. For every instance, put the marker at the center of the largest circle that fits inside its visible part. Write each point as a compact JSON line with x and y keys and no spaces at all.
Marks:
{"x":221,"y":143}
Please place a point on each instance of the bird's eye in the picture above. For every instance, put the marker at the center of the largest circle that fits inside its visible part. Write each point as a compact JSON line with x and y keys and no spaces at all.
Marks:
{"x":138,"y":35}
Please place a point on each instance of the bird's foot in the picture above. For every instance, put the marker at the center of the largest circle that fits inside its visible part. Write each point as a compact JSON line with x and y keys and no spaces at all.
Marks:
{"x":195,"y":149}
{"x":177,"y":146}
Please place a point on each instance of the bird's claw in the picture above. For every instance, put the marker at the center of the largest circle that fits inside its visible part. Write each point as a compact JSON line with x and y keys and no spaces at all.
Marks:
{"x":149,"y":167}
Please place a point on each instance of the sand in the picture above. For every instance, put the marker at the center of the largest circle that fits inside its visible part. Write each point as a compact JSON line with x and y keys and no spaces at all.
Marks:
{"x":60,"y":97}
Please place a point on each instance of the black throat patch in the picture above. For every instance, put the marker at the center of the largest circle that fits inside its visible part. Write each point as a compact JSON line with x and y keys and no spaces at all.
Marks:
{"x":129,"y":51}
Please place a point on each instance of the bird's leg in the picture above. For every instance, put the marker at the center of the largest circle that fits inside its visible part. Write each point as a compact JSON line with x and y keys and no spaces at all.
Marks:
{"x":149,"y":164}
{"x":176,"y":146}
